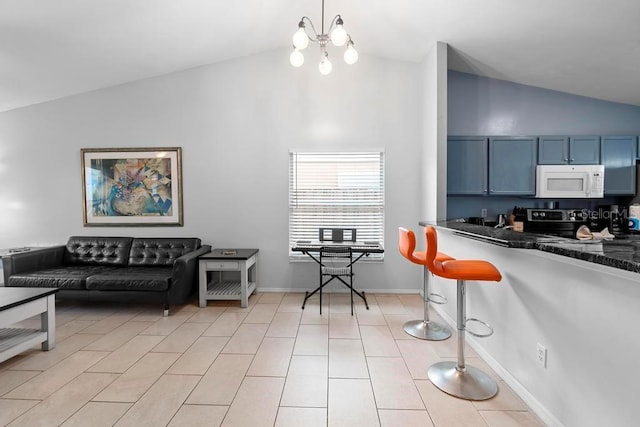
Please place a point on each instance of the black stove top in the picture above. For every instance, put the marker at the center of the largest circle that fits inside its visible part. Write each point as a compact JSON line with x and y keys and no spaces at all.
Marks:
{"x":557,"y":215}
{"x":558,"y":222}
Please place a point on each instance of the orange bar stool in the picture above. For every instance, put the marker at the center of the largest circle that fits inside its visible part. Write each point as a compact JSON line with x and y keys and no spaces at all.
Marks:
{"x":424,"y":329}
{"x":456,"y":378}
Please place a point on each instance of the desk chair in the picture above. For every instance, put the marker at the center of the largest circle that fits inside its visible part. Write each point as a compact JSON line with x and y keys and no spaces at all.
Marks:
{"x":424,"y":329}
{"x":456,"y":378}
{"x":341,"y":260}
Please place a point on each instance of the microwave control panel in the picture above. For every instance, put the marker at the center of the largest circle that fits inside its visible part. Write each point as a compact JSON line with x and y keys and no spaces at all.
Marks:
{"x":598,"y":182}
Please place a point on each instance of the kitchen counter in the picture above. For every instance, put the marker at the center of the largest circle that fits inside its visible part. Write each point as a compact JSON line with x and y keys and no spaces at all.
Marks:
{"x":617,"y":253}
{"x":623,"y":252}
{"x":561,"y":294}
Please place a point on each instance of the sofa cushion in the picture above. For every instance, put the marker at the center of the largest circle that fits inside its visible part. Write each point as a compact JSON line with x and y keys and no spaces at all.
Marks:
{"x":160,"y":252}
{"x":82,"y":250}
{"x":65,"y":277}
{"x":132,"y":279}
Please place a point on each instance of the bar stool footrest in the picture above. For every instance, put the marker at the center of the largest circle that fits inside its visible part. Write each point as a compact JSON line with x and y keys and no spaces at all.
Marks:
{"x":475,"y":334}
{"x":470,"y":384}
{"x":437,"y":298}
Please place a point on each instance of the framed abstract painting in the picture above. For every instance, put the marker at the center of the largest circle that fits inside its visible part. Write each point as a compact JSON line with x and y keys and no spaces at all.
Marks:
{"x":132,"y":186}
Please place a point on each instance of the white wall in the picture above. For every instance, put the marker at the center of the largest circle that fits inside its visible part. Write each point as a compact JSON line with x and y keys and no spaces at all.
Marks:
{"x":434,"y":134}
{"x":235,"y":122}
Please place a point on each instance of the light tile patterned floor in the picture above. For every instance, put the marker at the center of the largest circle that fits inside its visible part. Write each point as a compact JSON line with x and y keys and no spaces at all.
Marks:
{"x":271,"y":364}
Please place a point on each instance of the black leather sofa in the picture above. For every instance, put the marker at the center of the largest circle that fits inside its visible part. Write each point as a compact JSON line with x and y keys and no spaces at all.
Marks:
{"x":167,"y":266}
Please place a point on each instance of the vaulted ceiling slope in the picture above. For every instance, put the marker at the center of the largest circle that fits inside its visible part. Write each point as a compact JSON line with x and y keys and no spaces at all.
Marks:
{"x":51,"y":49}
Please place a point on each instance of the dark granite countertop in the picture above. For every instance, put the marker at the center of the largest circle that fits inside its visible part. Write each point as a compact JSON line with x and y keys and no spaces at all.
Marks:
{"x":623,"y":252}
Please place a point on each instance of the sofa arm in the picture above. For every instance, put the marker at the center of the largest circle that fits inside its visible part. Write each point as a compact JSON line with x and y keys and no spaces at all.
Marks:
{"x":185,"y":275}
{"x":33,"y":260}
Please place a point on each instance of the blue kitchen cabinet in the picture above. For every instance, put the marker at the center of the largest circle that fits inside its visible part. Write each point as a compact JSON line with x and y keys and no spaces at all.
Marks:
{"x":467,"y":165}
{"x":553,"y":150}
{"x":574,"y":150}
{"x":618,"y":154}
{"x":512,"y":165}
{"x":584,"y":150}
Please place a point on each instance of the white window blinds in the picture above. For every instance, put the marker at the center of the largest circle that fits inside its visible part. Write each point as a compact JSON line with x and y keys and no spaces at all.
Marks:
{"x":341,"y":189}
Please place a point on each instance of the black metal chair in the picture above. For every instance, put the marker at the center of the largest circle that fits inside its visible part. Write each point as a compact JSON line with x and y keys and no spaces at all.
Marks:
{"x":341,"y":266}
{"x":336,"y":263}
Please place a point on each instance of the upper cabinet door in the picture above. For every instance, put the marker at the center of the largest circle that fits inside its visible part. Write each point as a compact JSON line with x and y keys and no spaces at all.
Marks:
{"x":512,"y":165}
{"x":618,"y":158}
{"x":553,"y":150}
{"x":569,"y":150}
{"x":466,"y":165}
{"x":584,"y":150}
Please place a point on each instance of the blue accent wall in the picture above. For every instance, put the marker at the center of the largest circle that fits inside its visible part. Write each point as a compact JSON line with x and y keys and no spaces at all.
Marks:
{"x":484,"y":106}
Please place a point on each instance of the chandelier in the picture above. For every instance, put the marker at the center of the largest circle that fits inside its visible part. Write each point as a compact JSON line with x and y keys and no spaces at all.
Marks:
{"x":336,"y":34}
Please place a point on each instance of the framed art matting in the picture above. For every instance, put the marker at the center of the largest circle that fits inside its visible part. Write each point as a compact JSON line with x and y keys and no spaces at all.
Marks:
{"x":132,"y":186}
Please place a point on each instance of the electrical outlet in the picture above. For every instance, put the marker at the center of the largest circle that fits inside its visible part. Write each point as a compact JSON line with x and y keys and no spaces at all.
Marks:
{"x":484,"y":213}
{"x":542,"y":355}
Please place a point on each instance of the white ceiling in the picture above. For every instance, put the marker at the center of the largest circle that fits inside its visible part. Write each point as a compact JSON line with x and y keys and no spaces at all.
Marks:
{"x":55,"y":48}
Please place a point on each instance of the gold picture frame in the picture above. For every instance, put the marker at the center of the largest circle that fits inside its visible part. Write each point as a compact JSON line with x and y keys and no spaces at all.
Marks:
{"x":132,"y":186}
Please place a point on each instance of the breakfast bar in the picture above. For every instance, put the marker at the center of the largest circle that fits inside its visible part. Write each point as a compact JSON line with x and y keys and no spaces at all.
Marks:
{"x":576,"y":300}
{"x":622,"y":252}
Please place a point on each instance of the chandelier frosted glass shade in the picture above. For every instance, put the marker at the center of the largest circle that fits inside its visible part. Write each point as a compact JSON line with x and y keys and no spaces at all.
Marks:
{"x":336,"y":34}
{"x":297,"y":58}
{"x":325,"y":65}
{"x":339,"y":36}
{"x":300,"y":39}
{"x":350,"y":55}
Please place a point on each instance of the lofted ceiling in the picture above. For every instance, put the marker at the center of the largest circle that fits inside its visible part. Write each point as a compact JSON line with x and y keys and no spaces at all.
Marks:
{"x":55,"y":48}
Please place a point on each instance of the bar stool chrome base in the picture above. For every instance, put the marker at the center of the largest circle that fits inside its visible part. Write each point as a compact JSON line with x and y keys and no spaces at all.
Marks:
{"x":426,"y":330}
{"x":470,"y":384}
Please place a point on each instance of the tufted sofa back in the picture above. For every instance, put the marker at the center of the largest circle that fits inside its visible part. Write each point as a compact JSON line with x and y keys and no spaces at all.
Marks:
{"x":160,"y":251}
{"x":83,"y":250}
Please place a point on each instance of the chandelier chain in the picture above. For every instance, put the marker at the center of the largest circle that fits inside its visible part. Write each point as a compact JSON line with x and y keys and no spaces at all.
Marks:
{"x":322,"y":17}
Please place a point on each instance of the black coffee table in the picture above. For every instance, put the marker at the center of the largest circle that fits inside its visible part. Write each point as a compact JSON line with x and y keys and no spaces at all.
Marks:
{"x":17,"y":304}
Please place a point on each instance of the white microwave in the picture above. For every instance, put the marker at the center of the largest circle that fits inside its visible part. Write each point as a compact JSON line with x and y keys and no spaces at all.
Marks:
{"x":570,"y":181}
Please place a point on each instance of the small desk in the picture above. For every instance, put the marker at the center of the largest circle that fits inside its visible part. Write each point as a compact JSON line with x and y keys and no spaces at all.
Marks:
{"x":359,"y":249}
{"x":17,"y":304}
{"x":214,"y":286}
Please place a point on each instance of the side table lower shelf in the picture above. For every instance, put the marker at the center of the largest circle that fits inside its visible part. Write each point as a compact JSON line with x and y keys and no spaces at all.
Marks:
{"x":228,"y":290}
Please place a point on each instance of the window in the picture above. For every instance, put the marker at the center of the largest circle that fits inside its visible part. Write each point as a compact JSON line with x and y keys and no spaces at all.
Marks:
{"x":336,"y":190}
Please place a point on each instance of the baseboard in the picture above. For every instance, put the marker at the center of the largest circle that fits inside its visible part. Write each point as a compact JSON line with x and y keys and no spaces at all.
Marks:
{"x":540,"y":410}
